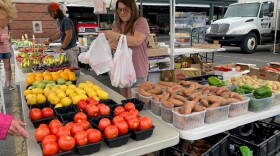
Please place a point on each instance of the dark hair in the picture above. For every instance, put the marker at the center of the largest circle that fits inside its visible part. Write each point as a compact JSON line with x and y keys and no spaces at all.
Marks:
{"x":60,"y":14}
{"x":131,"y":4}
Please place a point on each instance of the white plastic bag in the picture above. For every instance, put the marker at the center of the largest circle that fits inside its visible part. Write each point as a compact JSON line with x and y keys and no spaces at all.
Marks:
{"x":122,"y":73}
{"x":99,"y":55}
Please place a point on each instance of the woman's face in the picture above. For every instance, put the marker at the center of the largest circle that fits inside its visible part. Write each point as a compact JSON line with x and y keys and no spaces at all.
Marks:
{"x":4,"y":20}
{"x":124,"y":12}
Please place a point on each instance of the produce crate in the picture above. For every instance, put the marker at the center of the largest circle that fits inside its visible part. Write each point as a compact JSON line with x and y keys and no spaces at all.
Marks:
{"x":146,"y":100}
{"x":203,"y":79}
{"x":260,"y":137}
{"x":134,"y":93}
{"x":239,"y":108}
{"x":276,"y":100}
{"x":166,"y":114}
{"x":155,"y":107}
{"x":258,"y":105}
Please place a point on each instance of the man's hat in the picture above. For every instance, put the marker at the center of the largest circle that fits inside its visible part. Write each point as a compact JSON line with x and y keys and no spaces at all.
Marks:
{"x":53,"y":6}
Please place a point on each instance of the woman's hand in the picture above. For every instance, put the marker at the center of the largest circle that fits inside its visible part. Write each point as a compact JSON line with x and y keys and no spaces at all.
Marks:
{"x":111,"y":35}
{"x":17,"y":129}
{"x":113,"y":44}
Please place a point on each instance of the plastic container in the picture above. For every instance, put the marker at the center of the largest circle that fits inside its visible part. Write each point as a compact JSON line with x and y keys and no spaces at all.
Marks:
{"x":41,"y":106}
{"x":109,"y":102}
{"x":37,"y":123}
{"x":155,"y":107}
{"x":142,"y":135}
{"x":260,"y":137}
{"x":67,"y":153}
{"x":166,"y":114}
{"x":134,"y":93}
{"x":146,"y":100}
{"x":258,"y":105}
{"x":118,"y":141}
{"x":219,"y":145}
{"x":239,"y":108}
{"x":138,"y":104}
{"x":216,"y":114}
{"x":276,"y":100}
{"x":89,"y":148}
{"x":189,"y":121}
{"x":66,"y":111}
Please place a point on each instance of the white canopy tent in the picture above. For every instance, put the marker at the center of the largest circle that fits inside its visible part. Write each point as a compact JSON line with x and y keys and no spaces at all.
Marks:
{"x":81,"y":3}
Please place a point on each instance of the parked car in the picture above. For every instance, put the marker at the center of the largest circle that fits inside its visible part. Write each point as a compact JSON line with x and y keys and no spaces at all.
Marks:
{"x":154,"y":29}
{"x":85,"y":24}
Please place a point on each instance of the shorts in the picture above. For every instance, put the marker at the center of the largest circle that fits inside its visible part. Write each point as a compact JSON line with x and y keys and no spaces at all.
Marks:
{"x":72,"y":55}
{"x":139,"y":81}
{"x":5,"y":56}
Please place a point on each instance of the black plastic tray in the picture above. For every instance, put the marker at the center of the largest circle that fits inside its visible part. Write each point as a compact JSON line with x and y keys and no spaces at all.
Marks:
{"x":203,"y":79}
{"x":41,"y":106}
{"x":68,"y":111}
{"x":37,"y":123}
{"x":138,"y":104}
{"x":89,"y":148}
{"x":261,"y":138}
{"x":109,"y":102}
{"x":142,"y":135}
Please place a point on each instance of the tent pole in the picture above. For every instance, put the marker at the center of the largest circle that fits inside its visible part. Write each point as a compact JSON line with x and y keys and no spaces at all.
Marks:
{"x":141,"y":8}
{"x":275,"y":34}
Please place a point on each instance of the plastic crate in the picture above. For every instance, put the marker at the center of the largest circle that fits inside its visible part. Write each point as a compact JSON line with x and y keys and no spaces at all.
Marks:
{"x":142,"y":135}
{"x":219,"y":145}
{"x":239,"y":108}
{"x":37,"y":123}
{"x":134,"y":93}
{"x":203,"y":79}
{"x":260,"y":137}
{"x":66,"y":111}
{"x":190,"y":121}
{"x":146,"y":100}
{"x":89,"y":148}
{"x":258,"y":105}
{"x":155,"y":107}
{"x":276,"y":100}
{"x":138,"y":104}
{"x":110,"y":103}
{"x":166,"y":114}
{"x":216,"y":114}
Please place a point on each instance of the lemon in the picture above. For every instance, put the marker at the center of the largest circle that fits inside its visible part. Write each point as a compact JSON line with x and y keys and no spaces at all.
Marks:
{"x":27,"y":92}
{"x":40,"y":98}
{"x":71,"y":95}
{"x":72,"y":86}
{"x":69,"y":91}
{"x":96,"y":98}
{"x":54,"y":100}
{"x":76,"y":99}
{"x":84,"y":96}
{"x":61,"y":95}
{"x":31,"y":99}
{"x":47,"y":92}
{"x":91,"y":94}
{"x":63,"y":87}
{"x":103,"y":95}
{"x":66,"y":101}
{"x":89,"y":83}
{"x":80,"y":92}
{"x":59,"y":91}
{"x":58,"y":105}
{"x":82,"y":85}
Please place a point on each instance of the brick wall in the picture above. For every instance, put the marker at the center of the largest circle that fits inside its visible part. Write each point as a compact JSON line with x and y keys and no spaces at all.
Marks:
{"x":28,"y":12}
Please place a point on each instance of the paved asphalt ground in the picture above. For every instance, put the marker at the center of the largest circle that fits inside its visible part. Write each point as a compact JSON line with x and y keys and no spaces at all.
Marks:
{"x":14,"y":146}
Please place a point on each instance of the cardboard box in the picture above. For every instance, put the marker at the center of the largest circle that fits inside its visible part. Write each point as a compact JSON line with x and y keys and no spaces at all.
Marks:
{"x":179,"y":74}
{"x":206,"y":46}
{"x":153,"y":52}
{"x":274,"y":65}
{"x":152,"y":41}
{"x":243,"y":66}
{"x":265,"y":75}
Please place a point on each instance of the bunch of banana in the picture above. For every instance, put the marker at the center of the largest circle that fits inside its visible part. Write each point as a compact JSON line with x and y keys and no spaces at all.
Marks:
{"x":50,"y":61}
{"x":62,"y":59}
{"x":35,"y":62}
{"x":25,"y":63}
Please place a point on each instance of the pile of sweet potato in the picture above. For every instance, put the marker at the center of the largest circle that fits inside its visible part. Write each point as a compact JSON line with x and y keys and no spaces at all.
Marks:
{"x":189,"y":96}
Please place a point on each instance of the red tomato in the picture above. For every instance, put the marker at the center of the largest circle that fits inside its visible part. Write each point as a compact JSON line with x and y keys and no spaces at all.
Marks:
{"x":69,"y":125}
{"x":117,"y":118}
{"x":104,"y":110}
{"x":92,"y":110}
{"x":135,"y":112}
{"x":111,"y":132}
{"x":128,"y":106}
{"x":47,"y":112}
{"x":94,"y":135}
{"x":66,"y":143}
{"x":48,"y":139}
{"x":145,"y":123}
{"x":81,"y":138}
{"x":54,"y":125}
{"x":76,"y":128}
{"x":62,"y":131}
{"x":128,"y":117}
{"x":42,"y":132}
{"x":118,"y":110}
{"x":103,"y":123}
{"x":85,"y":124}
{"x":122,"y":127}
{"x":133,"y":124}
{"x":35,"y":114}
{"x":91,"y":100}
{"x":51,"y":148}
{"x":80,"y":116}
{"x":43,"y":125}
{"x":82,"y":105}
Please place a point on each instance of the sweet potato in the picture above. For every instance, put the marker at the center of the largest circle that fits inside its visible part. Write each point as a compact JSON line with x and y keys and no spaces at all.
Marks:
{"x":198,"y":108}
{"x":176,"y":103}
{"x":220,"y":90}
{"x":144,"y":93}
{"x":214,"y":105}
{"x":237,"y":96}
{"x":229,"y":101}
{"x":146,"y":85}
{"x":186,"y":110}
{"x":226,"y":94}
{"x":191,"y":104}
{"x":168,"y":84}
{"x":181,"y":98}
{"x":165,"y":97}
{"x":167,"y":104}
{"x":204,"y":103}
{"x":154,"y":91}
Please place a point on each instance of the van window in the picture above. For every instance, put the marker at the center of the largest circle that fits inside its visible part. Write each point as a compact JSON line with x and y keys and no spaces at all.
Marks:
{"x":265,"y":10}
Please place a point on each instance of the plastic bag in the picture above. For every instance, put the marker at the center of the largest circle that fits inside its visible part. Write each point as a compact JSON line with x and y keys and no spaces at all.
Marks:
{"x":122,"y":73}
{"x":99,"y":55}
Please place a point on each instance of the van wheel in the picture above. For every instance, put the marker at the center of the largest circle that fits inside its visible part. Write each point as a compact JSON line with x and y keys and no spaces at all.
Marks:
{"x":249,"y":44}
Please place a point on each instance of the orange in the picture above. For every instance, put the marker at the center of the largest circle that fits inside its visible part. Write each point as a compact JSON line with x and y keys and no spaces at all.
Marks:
{"x":46,"y":73}
{"x":64,"y":76}
{"x":67,"y":70}
{"x":39,"y":77}
{"x":30,"y":80}
{"x":60,"y":71}
{"x":55,"y":77}
{"x":72,"y":77}
{"x":38,"y":74}
{"x":31,"y":74}
{"x":48,"y":77}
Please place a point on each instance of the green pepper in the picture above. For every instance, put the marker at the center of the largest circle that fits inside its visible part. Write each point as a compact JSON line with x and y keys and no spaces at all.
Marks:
{"x":247,"y":88}
{"x":214,"y":81}
{"x":239,"y":91}
{"x":262,"y":92}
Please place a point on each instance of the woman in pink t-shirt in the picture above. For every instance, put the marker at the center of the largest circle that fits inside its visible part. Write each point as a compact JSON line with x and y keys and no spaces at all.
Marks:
{"x":136,"y":29}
